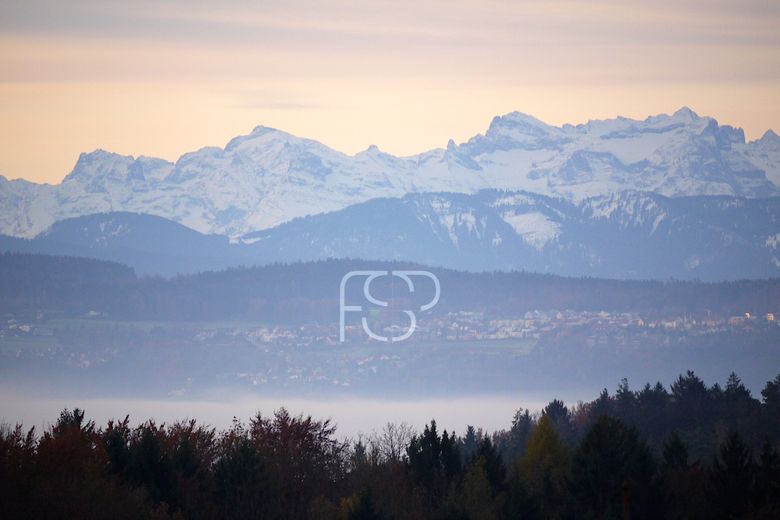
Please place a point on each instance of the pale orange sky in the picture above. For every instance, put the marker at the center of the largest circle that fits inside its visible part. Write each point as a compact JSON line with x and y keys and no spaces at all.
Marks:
{"x":161,"y":79}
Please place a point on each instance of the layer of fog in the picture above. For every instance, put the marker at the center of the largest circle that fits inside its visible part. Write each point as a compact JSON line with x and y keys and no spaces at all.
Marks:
{"x":352,"y":416}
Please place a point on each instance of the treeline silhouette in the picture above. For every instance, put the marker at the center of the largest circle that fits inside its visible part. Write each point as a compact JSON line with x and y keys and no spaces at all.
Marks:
{"x":307,"y":292}
{"x":688,"y":452}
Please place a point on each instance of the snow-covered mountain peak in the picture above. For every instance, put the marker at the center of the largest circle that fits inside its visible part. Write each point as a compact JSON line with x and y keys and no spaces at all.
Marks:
{"x":99,"y":164}
{"x":86,"y":159}
{"x":770,"y":139}
{"x":262,"y":129}
{"x":260,"y":135}
{"x":517,"y":123}
{"x":372,"y":152}
{"x":101,"y":168}
{"x":686,"y":113}
{"x":724,"y":135}
{"x":683,"y":119}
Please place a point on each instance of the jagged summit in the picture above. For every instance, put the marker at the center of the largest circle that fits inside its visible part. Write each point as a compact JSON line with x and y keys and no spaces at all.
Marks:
{"x":372,"y":151}
{"x":98,"y":163}
{"x":770,"y":137}
{"x":257,"y":134}
{"x":514,"y":121}
{"x":686,"y":113}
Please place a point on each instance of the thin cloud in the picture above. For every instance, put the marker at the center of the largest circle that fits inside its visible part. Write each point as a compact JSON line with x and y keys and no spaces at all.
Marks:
{"x":279,"y":105}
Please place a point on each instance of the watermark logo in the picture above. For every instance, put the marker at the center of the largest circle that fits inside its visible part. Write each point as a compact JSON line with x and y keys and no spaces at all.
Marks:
{"x":369,"y":277}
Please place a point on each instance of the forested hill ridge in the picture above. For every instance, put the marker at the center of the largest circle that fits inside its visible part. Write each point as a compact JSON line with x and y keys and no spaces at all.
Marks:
{"x":302,"y":292}
{"x":691,"y":451}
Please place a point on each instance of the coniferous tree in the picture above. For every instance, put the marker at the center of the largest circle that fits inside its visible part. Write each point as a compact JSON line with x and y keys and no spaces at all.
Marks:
{"x":601,"y":406}
{"x":520,"y":501}
{"x":477,"y":495}
{"x":545,"y":467}
{"x":560,"y":418}
{"x":732,"y":478}
{"x":434,"y":462}
{"x":469,"y":443}
{"x":767,"y":480}
{"x":682,"y":481}
{"x":771,"y":400}
{"x":612,"y":473}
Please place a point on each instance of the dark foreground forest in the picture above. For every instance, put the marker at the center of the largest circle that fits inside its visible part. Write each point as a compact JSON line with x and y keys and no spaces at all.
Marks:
{"x":690,"y":451}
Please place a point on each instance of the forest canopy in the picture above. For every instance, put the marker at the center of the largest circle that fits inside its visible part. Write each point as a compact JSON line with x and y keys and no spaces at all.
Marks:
{"x":690,"y":451}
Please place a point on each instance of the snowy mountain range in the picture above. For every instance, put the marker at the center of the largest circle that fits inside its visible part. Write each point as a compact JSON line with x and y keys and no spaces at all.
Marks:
{"x":621,"y":235}
{"x":269,"y":177}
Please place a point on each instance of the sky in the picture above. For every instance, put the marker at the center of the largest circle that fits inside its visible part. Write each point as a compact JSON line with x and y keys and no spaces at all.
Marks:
{"x":164,"y":78}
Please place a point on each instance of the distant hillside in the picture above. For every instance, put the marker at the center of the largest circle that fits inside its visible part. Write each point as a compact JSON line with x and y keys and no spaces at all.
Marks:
{"x":62,"y":285}
{"x":305,"y":292}
{"x":626,"y":235}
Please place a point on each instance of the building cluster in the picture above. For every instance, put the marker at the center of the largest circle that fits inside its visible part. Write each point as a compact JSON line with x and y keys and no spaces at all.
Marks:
{"x":13,"y":327}
{"x":454,"y":326}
